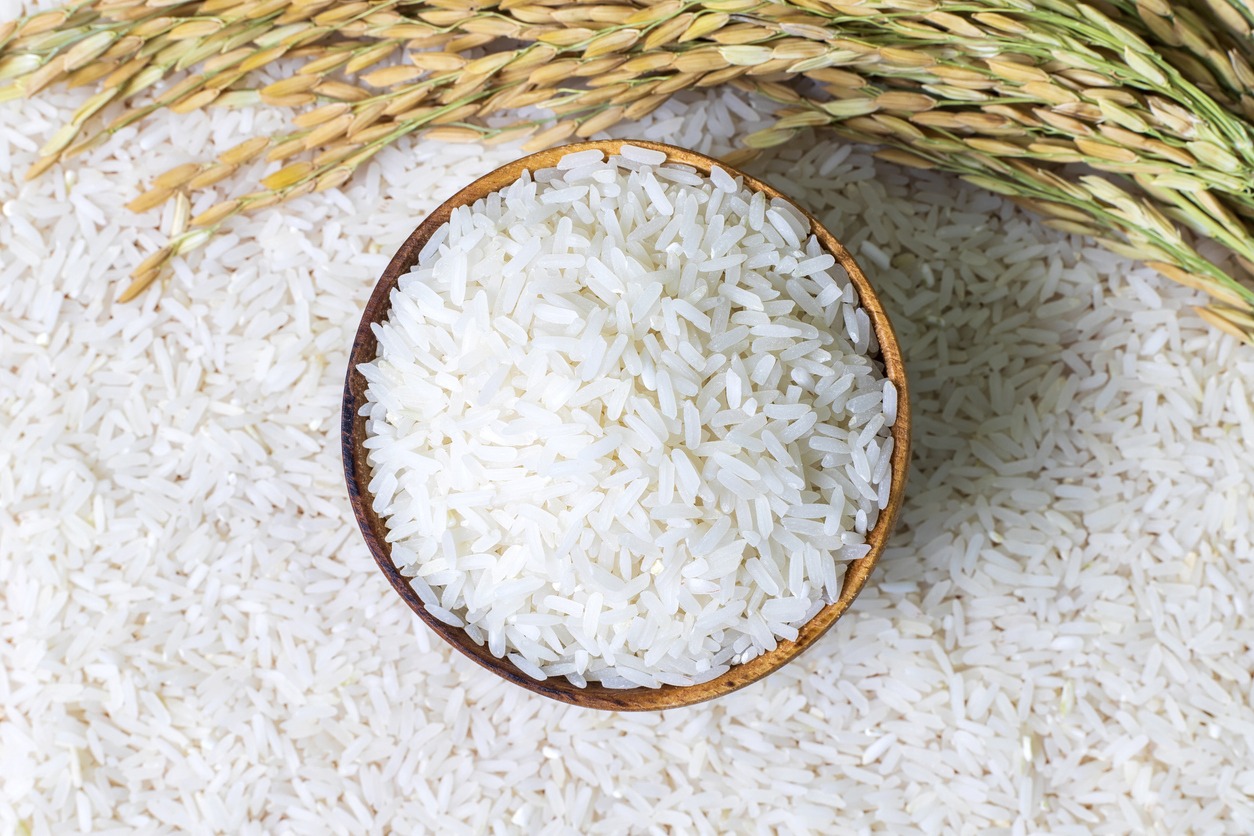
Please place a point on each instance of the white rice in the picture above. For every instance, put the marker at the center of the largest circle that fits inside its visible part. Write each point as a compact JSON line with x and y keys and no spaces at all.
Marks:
{"x":563,"y":417}
{"x":193,"y":637}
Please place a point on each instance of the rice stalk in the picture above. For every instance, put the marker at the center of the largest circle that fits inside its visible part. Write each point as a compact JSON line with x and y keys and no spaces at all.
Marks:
{"x":1158,"y":97}
{"x":1098,"y":205}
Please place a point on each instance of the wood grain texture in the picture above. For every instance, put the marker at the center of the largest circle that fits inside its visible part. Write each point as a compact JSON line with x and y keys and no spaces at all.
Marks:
{"x":357,"y":470}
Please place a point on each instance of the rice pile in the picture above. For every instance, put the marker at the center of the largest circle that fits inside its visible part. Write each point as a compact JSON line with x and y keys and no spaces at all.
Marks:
{"x":193,"y":637}
{"x":624,"y":422}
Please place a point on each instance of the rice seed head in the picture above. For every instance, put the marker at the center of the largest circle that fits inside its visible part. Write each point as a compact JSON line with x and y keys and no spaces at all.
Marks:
{"x":906,"y":58}
{"x":732,"y":6}
{"x":287,"y":176}
{"x":189,"y":241}
{"x":392,"y":76}
{"x":743,"y":56}
{"x":323,"y":65}
{"x":88,"y":49}
{"x":370,"y":57}
{"x":178,"y":219}
{"x":213,"y":174}
{"x":940,"y":119}
{"x":991,"y":184}
{"x":177,"y":176}
{"x":1209,"y":286}
{"x":678,"y":81}
{"x":597,"y":66}
{"x":903,"y":101}
{"x":150,"y":199}
{"x":803,"y":119}
{"x":1101,"y":150}
{"x":618,"y":78}
{"x":1078,"y":85}
{"x":1016,"y":72}
{"x":550,"y":136}
{"x":654,"y":13}
{"x":463,"y":43}
{"x":492,"y":28}
{"x":42,"y":22}
{"x":49,"y":73}
{"x":333,"y":179}
{"x":455,"y":134}
{"x":62,"y":137}
{"x":1051,"y":93}
{"x":798,"y":50}
{"x":536,"y":55}
{"x":488,"y":64}
{"x":328,"y":131}
{"x":648,"y":63}
{"x":1217,"y":211}
{"x":1220,"y":318}
{"x":554,"y":73}
{"x":602,"y":121}
{"x":366,"y":116}
{"x":363,"y":137}
{"x":16,"y":66}
{"x":701,"y":61}
{"x":338,"y":153}
{"x":903,"y":157}
{"x":318,"y":115}
{"x":1071,"y":227}
{"x":704,"y":25}
{"x":146,"y":272}
{"x":286,"y":149}
{"x":405,"y":101}
{"x":645,"y":106}
{"x":139,"y":283}
{"x":40,"y":166}
{"x":1143,"y":67}
{"x":341,"y":91}
{"x":723,"y":76}
{"x":566,"y":37}
{"x":257,"y":201}
{"x":769,"y":138}
{"x":196,"y":29}
{"x":195,"y":101}
{"x":612,"y":42}
{"x":1216,"y":156}
{"x":741,"y":156}
{"x":1229,"y":14}
{"x":1241,"y":69}
{"x":777,"y":92}
{"x":667,"y":32}
{"x":1123,"y":116}
{"x":509,"y":135}
{"x":456,"y":114}
{"x":437,"y":61}
{"x":1062,"y":122}
{"x":290,"y":86}
{"x":245,"y":151}
{"x":996,"y":147}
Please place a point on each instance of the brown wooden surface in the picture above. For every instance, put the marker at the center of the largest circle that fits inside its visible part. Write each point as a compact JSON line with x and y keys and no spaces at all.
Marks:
{"x":357,"y":471}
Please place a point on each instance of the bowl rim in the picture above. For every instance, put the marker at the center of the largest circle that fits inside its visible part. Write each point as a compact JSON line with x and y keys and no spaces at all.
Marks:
{"x":373,"y":530}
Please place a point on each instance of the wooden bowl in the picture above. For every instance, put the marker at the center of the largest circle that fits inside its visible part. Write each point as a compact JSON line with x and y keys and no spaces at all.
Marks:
{"x":357,"y":470}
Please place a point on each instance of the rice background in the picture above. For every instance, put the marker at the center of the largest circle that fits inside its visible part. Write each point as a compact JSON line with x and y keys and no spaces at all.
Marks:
{"x":1059,"y":638}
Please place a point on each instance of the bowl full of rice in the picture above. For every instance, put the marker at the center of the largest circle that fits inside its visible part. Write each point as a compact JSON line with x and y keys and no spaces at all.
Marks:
{"x":625,"y":425}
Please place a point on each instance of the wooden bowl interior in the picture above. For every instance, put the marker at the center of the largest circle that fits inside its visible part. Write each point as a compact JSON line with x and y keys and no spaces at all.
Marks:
{"x":357,"y":471}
